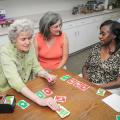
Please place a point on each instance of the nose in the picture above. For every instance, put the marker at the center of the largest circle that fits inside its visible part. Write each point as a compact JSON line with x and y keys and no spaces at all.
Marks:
{"x":28,"y":41}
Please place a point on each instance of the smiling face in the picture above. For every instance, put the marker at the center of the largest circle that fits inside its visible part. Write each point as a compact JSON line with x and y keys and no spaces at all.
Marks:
{"x":56,"y":29}
{"x":23,"y":41}
{"x":106,"y":37}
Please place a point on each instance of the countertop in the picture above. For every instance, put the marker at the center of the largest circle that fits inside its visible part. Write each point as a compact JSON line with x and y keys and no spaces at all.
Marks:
{"x":66,"y":16}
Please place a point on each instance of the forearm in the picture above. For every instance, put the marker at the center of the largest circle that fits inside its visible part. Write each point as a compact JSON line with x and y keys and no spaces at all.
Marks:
{"x":84,"y":72}
{"x":111,"y":85}
{"x":62,"y":63}
{"x":29,"y":94}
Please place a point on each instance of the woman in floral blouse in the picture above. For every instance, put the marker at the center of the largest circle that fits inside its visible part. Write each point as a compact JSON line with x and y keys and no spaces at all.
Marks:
{"x":103,"y":64}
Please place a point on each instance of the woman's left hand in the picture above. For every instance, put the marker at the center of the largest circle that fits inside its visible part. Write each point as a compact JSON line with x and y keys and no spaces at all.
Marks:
{"x":51,"y":79}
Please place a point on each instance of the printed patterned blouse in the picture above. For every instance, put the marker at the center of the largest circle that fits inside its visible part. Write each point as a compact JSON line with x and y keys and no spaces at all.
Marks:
{"x":100,"y":71}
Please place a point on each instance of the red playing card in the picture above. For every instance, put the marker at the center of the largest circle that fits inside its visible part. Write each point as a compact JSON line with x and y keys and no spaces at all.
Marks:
{"x":83,"y":86}
{"x":47,"y":91}
{"x":60,"y":98}
{"x":71,"y":81}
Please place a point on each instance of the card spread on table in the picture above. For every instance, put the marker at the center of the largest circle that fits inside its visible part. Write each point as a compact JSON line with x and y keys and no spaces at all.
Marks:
{"x":101,"y":92}
{"x":117,"y":117}
{"x":63,"y":112}
{"x":40,"y":94}
{"x":113,"y":101}
{"x":47,"y":91}
{"x":60,"y":98}
{"x":23,"y":104}
{"x":64,"y":78}
{"x":80,"y":85}
{"x":71,"y":81}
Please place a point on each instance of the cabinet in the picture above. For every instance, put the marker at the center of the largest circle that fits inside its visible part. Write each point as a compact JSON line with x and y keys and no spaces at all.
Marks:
{"x":81,"y":34}
{"x":84,"y":32}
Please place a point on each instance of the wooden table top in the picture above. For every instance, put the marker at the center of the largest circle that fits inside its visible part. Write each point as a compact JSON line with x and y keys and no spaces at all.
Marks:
{"x":85,"y":105}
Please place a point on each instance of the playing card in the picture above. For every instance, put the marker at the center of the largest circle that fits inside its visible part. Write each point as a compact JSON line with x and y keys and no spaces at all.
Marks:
{"x":40,"y":94}
{"x":71,"y":81}
{"x":23,"y":104}
{"x":47,"y":91}
{"x":60,"y":98}
{"x":9,"y":100}
{"x":81,"y":86}
{"x":63,"y":112}
{"x":100,"y":92}
{"x":64,"y":78}
{"x":117,"y":117}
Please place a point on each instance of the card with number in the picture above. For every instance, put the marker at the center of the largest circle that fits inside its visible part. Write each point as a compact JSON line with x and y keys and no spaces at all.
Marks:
{"x":117,"y":117}
{"x":60,"y":98}
{"x":63,"y":112}
{"x":23,"y":104}
{"x":40,"y":94}
{"x":47,"y":91}
{"x":64,"y":78}
{"x":100,"y":92}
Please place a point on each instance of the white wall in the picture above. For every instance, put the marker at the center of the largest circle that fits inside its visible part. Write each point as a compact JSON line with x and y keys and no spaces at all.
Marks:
{"x":15,"y":8}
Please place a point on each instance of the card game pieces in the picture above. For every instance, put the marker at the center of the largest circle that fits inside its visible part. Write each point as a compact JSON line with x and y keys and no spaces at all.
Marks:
{"x":64,"y":78}
{"x":47,"y":91}
{"x":9,"y":100}
{"x":117,"y":117}
{"x":60,"y":98}
{"x":23,"y":104}
{"x":100,"y":92}
{"x":80,"y":85}
{"x":63,"y":112}
{"x":71,"y":81}
{"x":40,"y":94}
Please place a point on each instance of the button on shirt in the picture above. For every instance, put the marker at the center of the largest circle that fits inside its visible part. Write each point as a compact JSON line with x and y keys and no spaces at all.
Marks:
{"x":16,"y":67}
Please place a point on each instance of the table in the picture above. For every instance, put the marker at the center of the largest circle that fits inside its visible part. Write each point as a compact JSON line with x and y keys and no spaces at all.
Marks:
{"x":85,"y":105}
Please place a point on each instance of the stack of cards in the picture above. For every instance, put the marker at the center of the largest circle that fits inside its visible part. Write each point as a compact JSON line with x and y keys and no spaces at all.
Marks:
{"x":23,"y":104}
{"x":100,"y":92}
{"x":63,"y":112}
{"x":66,"y":77}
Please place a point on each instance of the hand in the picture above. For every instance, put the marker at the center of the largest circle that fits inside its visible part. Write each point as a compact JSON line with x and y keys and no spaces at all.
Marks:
{"x":50,"y":102}
{"x":51,"y":79}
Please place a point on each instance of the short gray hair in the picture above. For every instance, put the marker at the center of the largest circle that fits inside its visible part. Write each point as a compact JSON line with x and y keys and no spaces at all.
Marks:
{"x":48,"y":19}
{"x":18,"y":26}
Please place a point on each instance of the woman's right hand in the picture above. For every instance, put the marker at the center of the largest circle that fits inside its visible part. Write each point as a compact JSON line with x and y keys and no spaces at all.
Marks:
{"x":50,"y":102}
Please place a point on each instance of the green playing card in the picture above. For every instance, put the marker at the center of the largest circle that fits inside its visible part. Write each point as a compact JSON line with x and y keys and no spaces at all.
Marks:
{"x":9,"y":100}
{"x":100,"y":92}
{"x":117,"y":117}
{"x":63,"y":112}
{"x":64,"y":78}
{"x":40,"y":94}
{"x":23,"y":104}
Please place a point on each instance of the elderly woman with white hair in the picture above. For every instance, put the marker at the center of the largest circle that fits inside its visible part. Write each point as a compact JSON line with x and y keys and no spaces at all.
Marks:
{"x":17,"y":62}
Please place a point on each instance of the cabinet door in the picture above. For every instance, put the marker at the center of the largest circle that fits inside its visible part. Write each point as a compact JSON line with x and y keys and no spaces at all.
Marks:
{"x":87,"y":35}
{"x":72,"y":39}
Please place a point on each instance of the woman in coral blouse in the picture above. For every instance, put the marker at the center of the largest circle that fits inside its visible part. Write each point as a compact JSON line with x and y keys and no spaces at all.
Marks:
{"x":51,"y":43}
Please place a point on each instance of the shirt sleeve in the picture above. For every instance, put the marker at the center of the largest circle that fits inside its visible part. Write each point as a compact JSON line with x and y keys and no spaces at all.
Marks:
{"x":10,"y":71}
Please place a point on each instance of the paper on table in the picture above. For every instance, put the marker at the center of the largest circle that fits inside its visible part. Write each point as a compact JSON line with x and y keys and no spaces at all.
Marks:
{"x":113,"y":101}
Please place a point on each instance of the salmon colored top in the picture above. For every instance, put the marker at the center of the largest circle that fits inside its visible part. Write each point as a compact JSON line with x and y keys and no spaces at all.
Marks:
{"x":49,"y":57}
